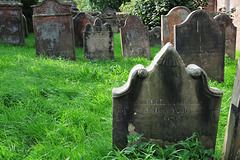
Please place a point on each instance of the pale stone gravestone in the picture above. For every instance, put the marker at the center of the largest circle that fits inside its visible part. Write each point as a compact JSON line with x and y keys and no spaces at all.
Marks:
{"x":11,"y":24}
{"x":231,"y":147}
{"x":175,"y":16}
{"x":230,"y":34}
{"x":80,"y":21}
{"x":200,"y":40}
{"x":155,"y":36}
{"x":166,"y":102}
{"x":25,"y":31}
{"x":110,"y":16}
{"x":135,"y":38}
{"x":53,"y":29}
{"x":98,"y":41}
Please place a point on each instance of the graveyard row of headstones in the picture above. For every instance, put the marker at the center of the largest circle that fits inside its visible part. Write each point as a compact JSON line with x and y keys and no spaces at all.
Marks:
{"x":197,"y":36}
{"x":166,"y":101}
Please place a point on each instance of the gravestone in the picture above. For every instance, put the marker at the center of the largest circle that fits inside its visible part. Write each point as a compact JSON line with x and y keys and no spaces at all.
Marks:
{"x":98,"y":41}
{"x":166,"y":102}
{"x":25,"y":26}
{"x":230,"y":34}
{"x":121,"y":17}
{"x":110,"y":16}
{"x":80,"y":21}
{"x":155,"y":36}
{"x":11,"y":24}
{"x":135,"y":38}
{"x":200,"y":40}
{"x":53,"y":29}
{"x":175,"y":16}
{"x":231,"y":147}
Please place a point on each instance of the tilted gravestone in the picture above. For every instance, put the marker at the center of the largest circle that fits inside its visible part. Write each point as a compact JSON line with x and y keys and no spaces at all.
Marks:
{"x":175,"y":16}
{"x":135,"y":38}
{"x":200,"y":40}
{"x":53,"y":29}
{"x":110,"y":16}
{"x":155,"y":36}
{"x":231,"y":147}
{"x":80,"y":21}
{"x":25,"y":31}
{"x":230,"y":34}
{"x":121,"y":17}
{"x":11,"y":24}
{"x":98,"y":41}
{"x":166,"y":102}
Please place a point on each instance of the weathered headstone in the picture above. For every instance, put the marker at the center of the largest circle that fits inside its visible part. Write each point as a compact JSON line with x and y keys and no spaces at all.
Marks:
{"x":80,"y":21}
{"x":53,"y":29}
{"x":25,"y":26}
{"x":121,"y":17}
{"x":200,"y":40}
{"x":109,"y":16}
{"x":175,"y":16}
{"x":231,"y":147}
{"x":166,"y":102}
{"x":155,"y":36}
{"x":11,"y":24}
{"x":135,"y":38}
{"x":230,"y":34}
{"x":98,"y":41}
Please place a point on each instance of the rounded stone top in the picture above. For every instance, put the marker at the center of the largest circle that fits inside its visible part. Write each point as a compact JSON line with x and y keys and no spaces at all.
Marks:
{"x":10,"y":2}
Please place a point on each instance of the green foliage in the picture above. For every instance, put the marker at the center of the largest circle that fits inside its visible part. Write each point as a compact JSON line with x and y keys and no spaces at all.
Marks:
{"x":150,"y":11}
{"x":191,"y":148}
{"x":28,"y":12}
{"x":83,"y":5}
{"x":101,"y":5}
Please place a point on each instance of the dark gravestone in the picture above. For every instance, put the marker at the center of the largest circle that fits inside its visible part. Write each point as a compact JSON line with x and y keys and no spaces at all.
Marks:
{"x":231,"y":147}
{"x":25,"y":26}
{"x":155,"y":36}
{"x":200,"y":40}
{"x":121,"y":17}
{"x":53,"y":29}
{"x":166,"y":102}
{"x":110,"y":16}
{"x":80,"y":21}
{"x":175,"y":16}
{"x":230,"y":34}
{"x":98,"y":41}
{"x":11,"y":24}
{"x":135,"y":38}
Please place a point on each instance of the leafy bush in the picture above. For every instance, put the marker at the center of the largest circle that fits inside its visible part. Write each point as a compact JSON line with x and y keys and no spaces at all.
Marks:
{"x":101,"y":5}
{"x":150,"y":11}
{"x":191,"y":148}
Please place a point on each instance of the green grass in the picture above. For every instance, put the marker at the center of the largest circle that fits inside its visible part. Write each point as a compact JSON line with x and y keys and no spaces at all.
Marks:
{"x":55,"y":108}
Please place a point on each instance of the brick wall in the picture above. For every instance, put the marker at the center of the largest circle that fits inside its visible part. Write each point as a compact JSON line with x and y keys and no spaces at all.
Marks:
{"x":236,"y":21}
{"x":211,"y":8}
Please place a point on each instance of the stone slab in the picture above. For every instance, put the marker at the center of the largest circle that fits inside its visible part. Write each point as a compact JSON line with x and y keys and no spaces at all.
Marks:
{"x":175,"y":16}
{"x":231,"y":146}
{"x":11,"y":24}
{"x":135,"y":38}
{"x":200,"y":40}
{"x":53,"y":29}
{"x":230,"y":34}
{"x":25,"y":26}
{"x":110,"y":16}
{"x":166,"y":102}
{"x":98,"y":41}
{"x":155,"y":36}
{"x":80,"y":21}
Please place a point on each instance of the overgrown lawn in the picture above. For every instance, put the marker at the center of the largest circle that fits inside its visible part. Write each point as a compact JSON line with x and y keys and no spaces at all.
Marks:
{"x":56,"y":108}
